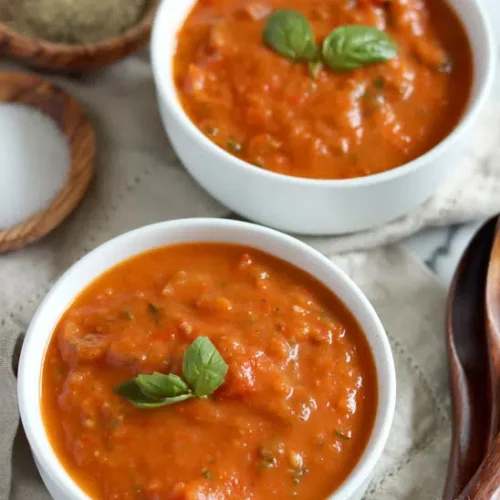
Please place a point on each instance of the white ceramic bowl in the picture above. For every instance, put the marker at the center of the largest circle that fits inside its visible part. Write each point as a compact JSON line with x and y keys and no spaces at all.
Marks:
{"x":311,"y":206}
{"x":108,"y":255}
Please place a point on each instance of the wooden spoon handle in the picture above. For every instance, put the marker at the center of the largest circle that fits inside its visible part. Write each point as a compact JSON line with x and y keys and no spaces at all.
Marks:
{"x":493,"y":330}
{"x":485,"y":485}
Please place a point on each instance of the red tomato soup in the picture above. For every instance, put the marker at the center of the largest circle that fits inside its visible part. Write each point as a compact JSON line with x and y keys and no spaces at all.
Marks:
{"x":291,"y":419}
{"x":272,"y":112}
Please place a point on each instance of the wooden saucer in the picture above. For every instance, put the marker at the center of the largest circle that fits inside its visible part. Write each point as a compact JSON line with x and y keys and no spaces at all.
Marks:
{"x":69,"y":116}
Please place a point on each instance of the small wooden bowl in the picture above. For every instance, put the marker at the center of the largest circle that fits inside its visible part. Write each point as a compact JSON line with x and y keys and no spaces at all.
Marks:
{"x":69,"y":116}
{"x":73,"y":58}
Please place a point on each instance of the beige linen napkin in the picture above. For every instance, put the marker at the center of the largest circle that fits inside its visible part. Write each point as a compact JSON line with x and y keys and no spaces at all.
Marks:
{"x":139,"y":181}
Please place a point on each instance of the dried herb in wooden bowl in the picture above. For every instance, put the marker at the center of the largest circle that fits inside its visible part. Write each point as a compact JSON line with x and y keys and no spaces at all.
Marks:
{"x":69,"y":21}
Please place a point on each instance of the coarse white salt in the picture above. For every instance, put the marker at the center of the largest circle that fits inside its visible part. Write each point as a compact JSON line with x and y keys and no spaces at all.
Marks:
{"x":34,"y":163}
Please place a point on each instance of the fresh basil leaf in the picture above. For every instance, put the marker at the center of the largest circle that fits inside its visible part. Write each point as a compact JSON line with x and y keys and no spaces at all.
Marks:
{"x":131,"y":391}
{"x":203,"y":367}
{"x":355,"y":46}
{"x":289,"y":33}
{"x":159,"y":385}
{"x":161,"y":402}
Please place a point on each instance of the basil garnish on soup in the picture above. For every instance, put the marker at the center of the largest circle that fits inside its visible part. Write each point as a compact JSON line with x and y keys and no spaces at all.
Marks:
{"x":351,"y":47}
{"x":203,"y":372}
{"x":290,"y":34}
{"x":203,"y":367}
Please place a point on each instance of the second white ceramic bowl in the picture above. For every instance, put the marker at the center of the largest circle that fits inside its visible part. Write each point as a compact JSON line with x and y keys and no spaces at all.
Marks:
{"x":311,"y":206}
{"x":64,"y":292}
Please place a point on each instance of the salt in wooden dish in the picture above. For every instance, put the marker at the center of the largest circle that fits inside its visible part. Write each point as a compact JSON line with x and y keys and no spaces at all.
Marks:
{"x":68,"y":115}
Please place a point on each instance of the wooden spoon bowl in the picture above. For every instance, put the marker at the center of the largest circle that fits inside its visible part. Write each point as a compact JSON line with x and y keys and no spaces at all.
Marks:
{"x":30,"y":90}
{"x":485,"y":484}
{"x":76,"y":57}
{"x":469,"y":363}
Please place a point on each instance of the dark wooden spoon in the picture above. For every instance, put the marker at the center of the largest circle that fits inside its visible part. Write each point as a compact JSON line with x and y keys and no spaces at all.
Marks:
{"x":493,"y":329}
{"x":485,"y":485}
{"x":470,"y":376}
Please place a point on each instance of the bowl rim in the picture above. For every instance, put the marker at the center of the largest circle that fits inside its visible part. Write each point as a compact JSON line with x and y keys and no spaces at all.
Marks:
{"x":169,"y":97}
{"x":143,"y":25}
{"x":276,"y":243}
